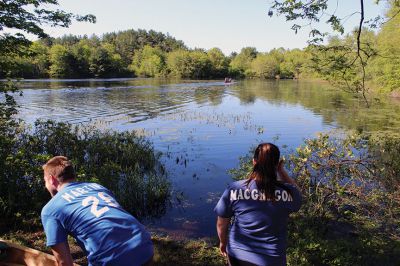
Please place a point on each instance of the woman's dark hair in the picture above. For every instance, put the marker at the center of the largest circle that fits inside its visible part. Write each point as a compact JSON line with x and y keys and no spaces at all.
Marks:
{"x":266,"y":157}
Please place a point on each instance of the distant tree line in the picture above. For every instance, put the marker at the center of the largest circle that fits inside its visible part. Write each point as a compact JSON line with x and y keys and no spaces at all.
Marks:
{"x":141,"y":53}
{"x":145,"y":54}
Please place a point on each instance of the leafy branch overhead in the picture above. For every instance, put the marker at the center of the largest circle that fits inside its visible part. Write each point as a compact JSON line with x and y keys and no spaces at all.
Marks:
{"x":29,"y":16}
{"x":352,"y":73}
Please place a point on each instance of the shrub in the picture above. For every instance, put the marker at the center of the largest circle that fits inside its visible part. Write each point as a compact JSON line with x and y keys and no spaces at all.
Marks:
{"x":121,"y":161}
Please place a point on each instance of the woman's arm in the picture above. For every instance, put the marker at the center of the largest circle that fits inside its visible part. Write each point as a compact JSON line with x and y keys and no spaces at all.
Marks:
{"x":222,"y":229}
{"x":294,"y":205}
{"x":284,"y":175}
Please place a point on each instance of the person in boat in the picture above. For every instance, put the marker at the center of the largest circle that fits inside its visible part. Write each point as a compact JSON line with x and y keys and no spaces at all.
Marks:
{"x":259,"y":207}
{"x":228,"y":80}
{"x":90,"y":213}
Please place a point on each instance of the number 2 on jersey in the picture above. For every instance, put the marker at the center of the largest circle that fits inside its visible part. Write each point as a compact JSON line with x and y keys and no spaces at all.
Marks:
{"x":95,"y":203}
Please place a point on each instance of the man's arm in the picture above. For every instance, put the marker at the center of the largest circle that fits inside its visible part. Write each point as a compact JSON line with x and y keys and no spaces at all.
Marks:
{"x":222,"y":229}
{"x":63,"y":254}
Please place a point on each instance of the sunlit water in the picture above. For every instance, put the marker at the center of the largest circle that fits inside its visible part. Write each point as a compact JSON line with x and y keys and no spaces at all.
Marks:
{"x":202,"y":127}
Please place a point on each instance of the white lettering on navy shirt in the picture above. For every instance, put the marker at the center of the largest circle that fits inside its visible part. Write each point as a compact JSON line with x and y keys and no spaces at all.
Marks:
{"x":76,"y":192}
{"x":255,"y":194}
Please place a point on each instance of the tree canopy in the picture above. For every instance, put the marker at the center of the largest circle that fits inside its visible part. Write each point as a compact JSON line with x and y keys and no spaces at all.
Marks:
{"x":347,"y":62}
{"x":29,"y":17}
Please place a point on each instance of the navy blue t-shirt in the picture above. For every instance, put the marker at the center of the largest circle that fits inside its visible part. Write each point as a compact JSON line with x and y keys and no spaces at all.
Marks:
{"x":259,"y":230}
{"x":89,"y":212}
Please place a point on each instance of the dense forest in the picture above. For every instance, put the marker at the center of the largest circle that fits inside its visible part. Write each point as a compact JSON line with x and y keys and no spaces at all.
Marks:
{"x":147,"y":54}
{"x":141,"y":53}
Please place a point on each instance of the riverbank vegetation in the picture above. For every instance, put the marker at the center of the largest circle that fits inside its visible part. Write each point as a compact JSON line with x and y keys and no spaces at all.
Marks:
{"x":153,"y":54}
{"x":121,"y":161}
{"x":350,"y":212}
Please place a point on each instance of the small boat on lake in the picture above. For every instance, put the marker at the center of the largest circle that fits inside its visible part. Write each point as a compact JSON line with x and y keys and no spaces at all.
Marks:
{"x":228,"y":81}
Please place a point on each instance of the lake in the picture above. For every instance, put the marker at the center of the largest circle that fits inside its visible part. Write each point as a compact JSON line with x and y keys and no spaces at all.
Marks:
{"x":203,"y":127}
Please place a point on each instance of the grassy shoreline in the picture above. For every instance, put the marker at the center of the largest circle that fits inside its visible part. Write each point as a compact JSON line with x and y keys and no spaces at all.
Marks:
{"x":311,"y":241}
{"x":167,"y":251}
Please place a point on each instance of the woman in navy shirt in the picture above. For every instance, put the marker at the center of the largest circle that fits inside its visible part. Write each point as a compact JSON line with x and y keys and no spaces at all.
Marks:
{"x":260,"y":207}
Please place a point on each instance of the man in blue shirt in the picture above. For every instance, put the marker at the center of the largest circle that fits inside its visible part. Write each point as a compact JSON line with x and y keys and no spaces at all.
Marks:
{"x":89,"y":212}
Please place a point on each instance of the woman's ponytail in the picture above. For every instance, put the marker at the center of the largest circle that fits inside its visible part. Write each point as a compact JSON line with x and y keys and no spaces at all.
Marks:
{"x":266,"y":158}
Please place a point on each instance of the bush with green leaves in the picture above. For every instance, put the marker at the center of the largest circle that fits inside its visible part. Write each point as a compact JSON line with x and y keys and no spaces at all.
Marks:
{"x":121,"y":161}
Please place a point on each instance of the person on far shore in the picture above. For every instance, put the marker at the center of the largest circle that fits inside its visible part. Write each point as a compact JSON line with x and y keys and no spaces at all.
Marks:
{"x":259,"y":207}
{"x":89,"y":212}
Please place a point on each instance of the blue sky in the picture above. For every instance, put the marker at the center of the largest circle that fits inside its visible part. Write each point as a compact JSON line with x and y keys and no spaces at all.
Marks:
{"x":227,"y":24}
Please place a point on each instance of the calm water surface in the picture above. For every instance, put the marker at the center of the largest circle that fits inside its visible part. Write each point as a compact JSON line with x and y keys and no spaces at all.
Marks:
{"x":202,"y":127}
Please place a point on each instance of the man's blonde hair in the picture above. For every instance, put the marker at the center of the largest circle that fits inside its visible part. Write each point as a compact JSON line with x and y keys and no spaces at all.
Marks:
{"x":60,"y":167}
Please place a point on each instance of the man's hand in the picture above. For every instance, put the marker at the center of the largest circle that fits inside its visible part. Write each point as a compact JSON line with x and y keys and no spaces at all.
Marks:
{"x":63,"y":254}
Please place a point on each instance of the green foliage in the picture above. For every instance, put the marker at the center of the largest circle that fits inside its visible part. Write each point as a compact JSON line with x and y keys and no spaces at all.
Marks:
{"x":350,"y":62}
{"x":328,"y":242}
{"x":201,"y":64}
{"x":351,"y":208}
{"x":241,"y":63}
{"x":81,"y":57}
{"x":219,"y":63}
{"x":123,"y":162}
{"x":129,"y":41}
{"x":265,"y":66}
{"x":342,"y":64}
{"x":179,"y":63}
{"x":39,"y":58}
{"x":28,"y":17}
{"x":193,"y":252}
{"x":311,"y":11}
{"x":293,"y":63}
{"x":189,"y":64}
{"x":81,"y":52}
{"x":149,"y":62}
{"x":385,"y":68}
{"x":62,"y":62}
{"x":104,"y":62}
{"x":83,"y":60}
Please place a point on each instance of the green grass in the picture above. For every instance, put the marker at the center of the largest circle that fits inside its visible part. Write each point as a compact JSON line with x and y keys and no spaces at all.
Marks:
{"x":167,"y":251}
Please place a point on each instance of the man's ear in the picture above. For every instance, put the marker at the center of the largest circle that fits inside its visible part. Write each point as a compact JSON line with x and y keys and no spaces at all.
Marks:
{"x":53,"y":181}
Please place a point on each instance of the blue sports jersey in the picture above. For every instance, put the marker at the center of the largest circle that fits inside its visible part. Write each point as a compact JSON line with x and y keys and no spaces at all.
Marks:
{"x":89,"y":212}
{"x":259,"y":230}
